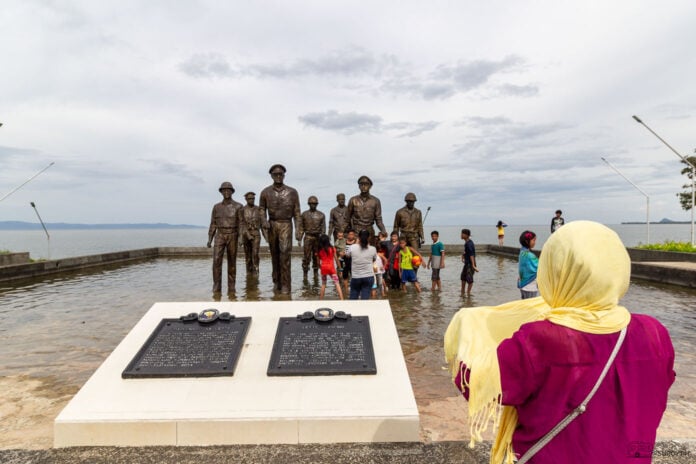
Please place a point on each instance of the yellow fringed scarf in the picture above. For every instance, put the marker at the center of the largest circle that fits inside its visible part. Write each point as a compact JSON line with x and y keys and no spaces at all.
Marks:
{"x":584,"y":270}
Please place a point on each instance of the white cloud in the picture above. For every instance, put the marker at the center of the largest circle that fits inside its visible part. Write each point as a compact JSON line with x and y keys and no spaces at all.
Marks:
{"x":482,"y":110}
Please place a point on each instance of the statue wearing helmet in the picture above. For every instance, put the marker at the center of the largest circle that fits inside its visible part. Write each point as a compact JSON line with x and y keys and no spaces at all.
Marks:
{"x":224,"y":229}
{"x":364,"y":210}
{"x":313,"y":225}
{"x":408,"y":222}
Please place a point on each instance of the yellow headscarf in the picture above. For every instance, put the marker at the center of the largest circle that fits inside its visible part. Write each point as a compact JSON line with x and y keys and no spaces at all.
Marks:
{"x":584,"y":270}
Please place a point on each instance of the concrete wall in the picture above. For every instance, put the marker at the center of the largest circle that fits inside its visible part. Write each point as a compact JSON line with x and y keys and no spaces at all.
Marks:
{"x":641,"y":255}
{"x":8,"y":259}
{"x":641,"y":267}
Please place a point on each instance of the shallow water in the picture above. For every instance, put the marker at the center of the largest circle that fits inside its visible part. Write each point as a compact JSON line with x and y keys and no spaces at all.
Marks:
{"x":65,"y":326}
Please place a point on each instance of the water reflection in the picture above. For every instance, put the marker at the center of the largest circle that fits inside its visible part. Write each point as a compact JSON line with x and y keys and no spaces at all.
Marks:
{"x":65,"y":326}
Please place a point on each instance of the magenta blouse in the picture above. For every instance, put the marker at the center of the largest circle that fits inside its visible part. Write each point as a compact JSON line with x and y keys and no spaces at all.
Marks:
{"x":547,"y":370}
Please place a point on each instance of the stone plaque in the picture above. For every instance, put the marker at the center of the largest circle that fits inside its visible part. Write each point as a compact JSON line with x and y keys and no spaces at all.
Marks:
{"x":312,"y":347}
{"x":179,"y":348}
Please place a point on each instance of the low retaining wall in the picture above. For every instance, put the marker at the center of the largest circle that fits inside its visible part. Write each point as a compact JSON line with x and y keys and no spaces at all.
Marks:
{"x":9,"y":259}
{"x":641,"y":267}
{"x":640,"y":255}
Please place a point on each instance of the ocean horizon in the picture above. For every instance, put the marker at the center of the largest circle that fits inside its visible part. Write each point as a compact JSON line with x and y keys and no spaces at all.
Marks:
{"x":65,"y":243}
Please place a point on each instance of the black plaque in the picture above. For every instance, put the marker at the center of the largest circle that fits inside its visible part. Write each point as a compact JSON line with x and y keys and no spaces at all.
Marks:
{"x":179,"y":348}
{"x":311,"y":347}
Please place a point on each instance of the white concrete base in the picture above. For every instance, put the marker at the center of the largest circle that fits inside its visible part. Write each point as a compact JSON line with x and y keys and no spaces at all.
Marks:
{"x":250,"y":407}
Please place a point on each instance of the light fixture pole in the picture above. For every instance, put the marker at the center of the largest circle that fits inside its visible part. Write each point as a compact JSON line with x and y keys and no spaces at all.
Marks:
{"x":686,"y":161}
{"x":28,"y":180}
{"x":647,"y":197}
{"x":48,"y":237}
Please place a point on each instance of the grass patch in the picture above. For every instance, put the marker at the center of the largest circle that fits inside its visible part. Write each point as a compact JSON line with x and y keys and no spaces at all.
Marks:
{"x":669,"y":245}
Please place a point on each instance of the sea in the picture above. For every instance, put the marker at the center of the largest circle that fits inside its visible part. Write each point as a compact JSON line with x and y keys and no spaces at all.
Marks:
{"x":69,"y":243}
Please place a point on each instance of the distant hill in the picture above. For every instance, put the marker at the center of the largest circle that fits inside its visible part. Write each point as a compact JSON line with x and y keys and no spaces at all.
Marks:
{"x":19,"y":225}
{"x":662,"y":221}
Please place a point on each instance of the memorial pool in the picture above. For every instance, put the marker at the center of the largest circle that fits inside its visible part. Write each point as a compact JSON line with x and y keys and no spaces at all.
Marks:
{"x":56,"y":332}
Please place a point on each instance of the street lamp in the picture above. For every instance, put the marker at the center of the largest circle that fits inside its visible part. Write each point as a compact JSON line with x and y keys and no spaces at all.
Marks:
{"x":647,"y":197}
{"x":693,"y":173}
{"x":48,"y":237}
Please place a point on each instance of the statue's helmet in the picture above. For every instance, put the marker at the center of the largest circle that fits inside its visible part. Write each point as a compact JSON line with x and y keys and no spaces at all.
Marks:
{"x":226,"y":185}
{"x":277,"y":166}
{"x":364,"y":179}
{"x":312,"y":200}
{"x":410,"y":196}
{"x":249,"y":195}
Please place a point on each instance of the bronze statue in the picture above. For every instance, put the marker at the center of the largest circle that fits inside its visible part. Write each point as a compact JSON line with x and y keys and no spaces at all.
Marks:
{"x":338,"y":217}
{"x":408,"y":222}
{"x":251,"y":220}
{"x":313,"y":225}
{"x":365,"y":210}
{"x":281,"y":204}
{"x":224,"y":227}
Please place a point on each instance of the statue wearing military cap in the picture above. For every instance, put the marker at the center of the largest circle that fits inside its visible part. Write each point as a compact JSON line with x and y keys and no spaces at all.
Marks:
{"x":251,"y":220}
{"x":364,"y":210}
{"x":281,"y":204}
{"x":408,"y":222}
{"x":338,"y":217}
{"x":313,"y":225}
{"x":224,"y":229}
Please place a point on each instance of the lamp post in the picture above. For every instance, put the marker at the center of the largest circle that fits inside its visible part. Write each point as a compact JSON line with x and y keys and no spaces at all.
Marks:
{"x":647,"y":197}
{"x":686,"y":161}
{"x":48,"y":237}
{"x":28,"y":180}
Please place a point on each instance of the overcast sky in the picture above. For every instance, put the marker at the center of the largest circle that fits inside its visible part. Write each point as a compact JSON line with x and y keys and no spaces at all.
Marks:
{"x":486,"y":110}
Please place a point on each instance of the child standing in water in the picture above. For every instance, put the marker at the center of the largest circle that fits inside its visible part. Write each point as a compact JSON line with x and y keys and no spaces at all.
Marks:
{"x":408,"y":274}
{"x":528,"y":263}
{"x":436,"y":260}
{"x":328,"y":259}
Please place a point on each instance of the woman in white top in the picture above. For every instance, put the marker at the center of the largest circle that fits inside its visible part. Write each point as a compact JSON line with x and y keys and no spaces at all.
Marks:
{"x":362,"y":275}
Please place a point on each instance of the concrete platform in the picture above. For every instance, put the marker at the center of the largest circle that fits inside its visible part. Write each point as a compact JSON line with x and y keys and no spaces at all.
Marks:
{"x":250,"y":407}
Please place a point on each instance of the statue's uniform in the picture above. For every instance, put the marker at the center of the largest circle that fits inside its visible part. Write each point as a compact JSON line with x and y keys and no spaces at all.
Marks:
{"x":282,"y":204}
{"x":313,"y":225}
{"x":224,"y":226}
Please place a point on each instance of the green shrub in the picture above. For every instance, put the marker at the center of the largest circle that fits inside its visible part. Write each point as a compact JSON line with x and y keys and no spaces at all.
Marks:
{"x":670,"y":245}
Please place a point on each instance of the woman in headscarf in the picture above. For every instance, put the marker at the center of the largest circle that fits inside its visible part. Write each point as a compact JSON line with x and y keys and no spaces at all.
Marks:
{"x":526,"y":365}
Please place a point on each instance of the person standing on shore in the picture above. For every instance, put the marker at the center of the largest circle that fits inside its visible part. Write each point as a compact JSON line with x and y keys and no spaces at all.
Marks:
{"x":282,"y":205}
{"x":500,"y":226}
{"x":469,"y":260}
{"x":527,"y":266}
{"x":224,"y":228}
{"x":557,"y":221}
{"x":573,"y":362}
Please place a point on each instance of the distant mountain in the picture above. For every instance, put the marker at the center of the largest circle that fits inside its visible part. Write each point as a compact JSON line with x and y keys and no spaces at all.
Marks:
{"x":662,"y":221}
{"x":19,"y":225}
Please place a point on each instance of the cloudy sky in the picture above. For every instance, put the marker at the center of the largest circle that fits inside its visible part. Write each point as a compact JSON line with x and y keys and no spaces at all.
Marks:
{"x":486,"y":110}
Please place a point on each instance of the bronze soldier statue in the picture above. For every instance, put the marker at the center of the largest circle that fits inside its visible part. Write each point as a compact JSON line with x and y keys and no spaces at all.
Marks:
{"x":313,"y":225}
{"x":338,"y":217}
{"x":408,"y":222}
{"x":251,"y":219}
{"x":282,"y":205}
{"x":365,"y":210}
{"x":224,"y":227}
